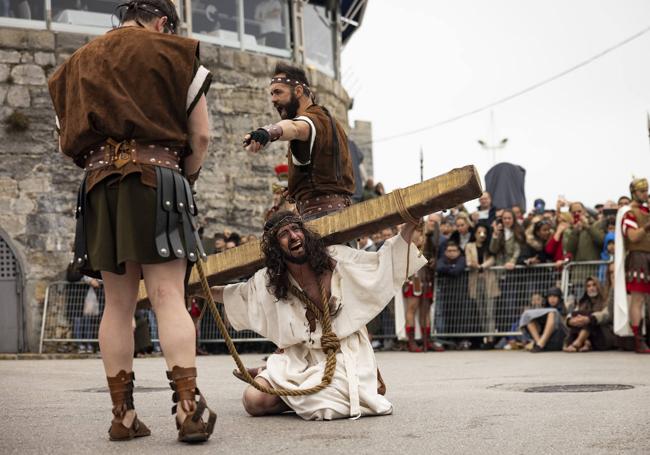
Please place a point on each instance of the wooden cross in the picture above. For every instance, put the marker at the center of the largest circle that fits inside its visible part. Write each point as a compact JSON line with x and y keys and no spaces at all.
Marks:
{"x":442,"y":192}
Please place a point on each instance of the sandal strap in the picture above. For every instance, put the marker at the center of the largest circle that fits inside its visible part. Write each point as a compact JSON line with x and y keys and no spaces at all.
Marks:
{"x":121,"y":390}
{"x":183,"y":383}
{"x":201,"y":406}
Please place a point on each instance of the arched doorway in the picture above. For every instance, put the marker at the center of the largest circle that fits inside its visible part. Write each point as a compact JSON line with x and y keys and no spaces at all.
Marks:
{"x":11,"y":290}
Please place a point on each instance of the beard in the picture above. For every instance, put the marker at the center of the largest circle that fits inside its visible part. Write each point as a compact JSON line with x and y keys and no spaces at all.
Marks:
{"x":299,"y":260}
{"x":288,"y":110}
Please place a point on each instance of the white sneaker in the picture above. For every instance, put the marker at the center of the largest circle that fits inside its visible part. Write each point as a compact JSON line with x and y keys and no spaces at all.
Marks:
{"x":82,"y":349}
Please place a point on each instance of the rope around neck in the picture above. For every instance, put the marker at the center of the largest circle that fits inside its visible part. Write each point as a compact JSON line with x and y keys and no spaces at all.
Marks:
{"x":329,"y":342}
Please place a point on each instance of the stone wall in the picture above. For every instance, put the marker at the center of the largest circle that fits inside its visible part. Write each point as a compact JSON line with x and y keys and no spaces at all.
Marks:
{"x":361,"y":134}
{"x":38,"y":185}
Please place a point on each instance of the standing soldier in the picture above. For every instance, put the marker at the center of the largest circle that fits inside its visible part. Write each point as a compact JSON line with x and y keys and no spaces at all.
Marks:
{"x":131,"y":111}
{"x":632,"y":264}
{"x":321,"y":179}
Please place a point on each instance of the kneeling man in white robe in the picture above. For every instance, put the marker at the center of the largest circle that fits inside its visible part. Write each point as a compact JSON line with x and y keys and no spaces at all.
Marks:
{"x":359,"y":285}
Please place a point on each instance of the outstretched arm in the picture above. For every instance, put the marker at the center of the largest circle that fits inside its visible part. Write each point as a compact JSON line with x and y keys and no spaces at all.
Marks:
{"x":284,"y":130}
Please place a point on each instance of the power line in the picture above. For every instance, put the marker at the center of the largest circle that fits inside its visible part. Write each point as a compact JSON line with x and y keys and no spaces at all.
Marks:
{"x":516,"y":94}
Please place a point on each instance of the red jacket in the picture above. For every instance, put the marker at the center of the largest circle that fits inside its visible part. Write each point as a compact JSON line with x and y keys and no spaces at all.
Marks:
{"x":554,"y":249}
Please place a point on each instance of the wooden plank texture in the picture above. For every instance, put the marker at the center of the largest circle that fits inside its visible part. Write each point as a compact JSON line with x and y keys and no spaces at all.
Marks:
{"x":442,"y":192}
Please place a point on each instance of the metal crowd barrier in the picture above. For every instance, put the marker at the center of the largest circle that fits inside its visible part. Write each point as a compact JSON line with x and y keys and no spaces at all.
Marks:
{"x":575,"y":275}
{"x":473,"y":303}
{"x":489,"y":303}
{"x":65,"y":325}
{"x":64,"y":320}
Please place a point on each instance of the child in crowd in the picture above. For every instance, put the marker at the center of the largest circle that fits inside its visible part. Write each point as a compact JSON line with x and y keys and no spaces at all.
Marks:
{"x":544,"y":324}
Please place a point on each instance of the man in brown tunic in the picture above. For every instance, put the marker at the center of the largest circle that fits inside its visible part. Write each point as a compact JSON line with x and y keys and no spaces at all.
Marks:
{"x":321,"y":178}
{"x":131,"y":111}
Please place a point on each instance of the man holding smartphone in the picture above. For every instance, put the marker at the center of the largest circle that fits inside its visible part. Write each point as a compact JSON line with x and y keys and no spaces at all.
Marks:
{"x":583,"y":241}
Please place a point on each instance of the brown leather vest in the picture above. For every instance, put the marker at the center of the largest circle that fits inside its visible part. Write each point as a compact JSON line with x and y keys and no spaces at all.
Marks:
{"x":642,"y":218}
{"x":130,"y":83}
{"x":329,"y":172}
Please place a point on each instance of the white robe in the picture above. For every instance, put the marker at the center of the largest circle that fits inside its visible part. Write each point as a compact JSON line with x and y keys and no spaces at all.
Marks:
{"x":621,"y":316}
{"x":363,"y":283}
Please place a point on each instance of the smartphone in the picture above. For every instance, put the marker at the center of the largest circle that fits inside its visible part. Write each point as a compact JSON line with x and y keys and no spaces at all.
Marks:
{"x":564,"y":209}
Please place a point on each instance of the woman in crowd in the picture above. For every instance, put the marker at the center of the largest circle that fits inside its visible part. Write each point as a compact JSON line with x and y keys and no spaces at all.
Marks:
{"x":507,"y":241}
{"x":464,"y":231}
{"x":482,"y":285}
{"x":554,"y":246}
{"x":544,"y":325}
{"x":534,"y":250}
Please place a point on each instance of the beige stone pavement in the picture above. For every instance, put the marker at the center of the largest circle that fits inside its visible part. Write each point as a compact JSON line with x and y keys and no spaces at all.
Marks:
{"x":452,"y":402}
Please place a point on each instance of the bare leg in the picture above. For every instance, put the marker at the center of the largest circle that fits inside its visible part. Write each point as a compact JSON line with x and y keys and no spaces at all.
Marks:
{"x":549,"y":328}
{"x":164,"y":284}
{"x":411,"y":307}
{"x":582,"y":337}
{"x":116,"y":329}
{"x":424,"y":311}
{"x":259,"y":404}
{"x":534,"y":331}
{"x":636,"y":307}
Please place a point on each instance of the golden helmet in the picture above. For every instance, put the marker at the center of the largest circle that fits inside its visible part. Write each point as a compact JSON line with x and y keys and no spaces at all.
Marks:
{"x":638,"y":185}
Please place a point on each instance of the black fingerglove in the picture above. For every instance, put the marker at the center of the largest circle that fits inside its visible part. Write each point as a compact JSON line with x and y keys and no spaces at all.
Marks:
{"x":260,"y":135}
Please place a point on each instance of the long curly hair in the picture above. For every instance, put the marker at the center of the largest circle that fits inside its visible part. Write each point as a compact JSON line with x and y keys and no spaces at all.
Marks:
{"x":277,"y":272}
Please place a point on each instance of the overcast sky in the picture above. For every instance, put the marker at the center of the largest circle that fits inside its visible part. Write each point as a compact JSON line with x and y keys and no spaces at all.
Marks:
{"x":416,"y":62}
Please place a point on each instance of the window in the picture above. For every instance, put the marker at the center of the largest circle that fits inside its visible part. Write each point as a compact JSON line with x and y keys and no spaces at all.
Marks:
{"x":21,"y":11}
{"x":268,"y":22}
{"x":216,"y":21}
{"x":319,"y":38}
{"x":87,"y":16}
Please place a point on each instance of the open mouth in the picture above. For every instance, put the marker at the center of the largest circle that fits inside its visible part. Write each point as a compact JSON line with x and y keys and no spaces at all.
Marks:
{"x":295,"y":246}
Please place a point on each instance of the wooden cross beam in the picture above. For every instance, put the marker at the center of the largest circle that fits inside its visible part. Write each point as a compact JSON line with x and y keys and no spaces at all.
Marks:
{"x":444,"y":191}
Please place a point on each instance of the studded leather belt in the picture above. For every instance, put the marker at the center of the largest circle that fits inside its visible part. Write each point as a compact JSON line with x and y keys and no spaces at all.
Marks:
{"x":318,"y":206}
{"x":117,"y":154}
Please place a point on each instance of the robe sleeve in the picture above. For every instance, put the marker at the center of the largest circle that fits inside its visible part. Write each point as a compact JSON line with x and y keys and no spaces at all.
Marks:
{"x":395,"y":258}
{"x":370,"y":280}
{"x":244,"y":304}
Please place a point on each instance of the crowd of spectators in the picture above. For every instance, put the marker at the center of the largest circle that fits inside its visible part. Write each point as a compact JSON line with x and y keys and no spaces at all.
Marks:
{"x":225,"y":240}
{"x":483,"y":261}
{"x":475,"y":255}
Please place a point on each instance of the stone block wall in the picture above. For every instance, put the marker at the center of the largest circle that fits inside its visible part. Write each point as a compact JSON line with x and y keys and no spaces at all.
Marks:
{"x":38,"y":185}
{"x":361,"y":134}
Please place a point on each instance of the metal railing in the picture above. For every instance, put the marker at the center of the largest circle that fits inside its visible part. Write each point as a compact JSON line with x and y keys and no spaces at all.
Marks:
{"x":489,"y":303}
{"x":471,"y":304}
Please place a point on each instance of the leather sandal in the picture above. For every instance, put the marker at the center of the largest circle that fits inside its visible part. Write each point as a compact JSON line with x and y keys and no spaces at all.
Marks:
{"x":193,"y":429}
{"x":121,"y":389}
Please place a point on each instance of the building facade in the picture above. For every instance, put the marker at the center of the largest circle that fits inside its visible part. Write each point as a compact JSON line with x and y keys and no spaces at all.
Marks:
{"x":241,"y":41}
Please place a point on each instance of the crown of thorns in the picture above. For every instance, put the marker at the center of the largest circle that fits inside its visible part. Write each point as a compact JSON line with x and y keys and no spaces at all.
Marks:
{"x":286,"y":80}
{"x":272,"y":228}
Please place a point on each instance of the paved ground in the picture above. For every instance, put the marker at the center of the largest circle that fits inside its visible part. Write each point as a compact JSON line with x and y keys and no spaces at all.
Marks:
{"x":454,"y":402}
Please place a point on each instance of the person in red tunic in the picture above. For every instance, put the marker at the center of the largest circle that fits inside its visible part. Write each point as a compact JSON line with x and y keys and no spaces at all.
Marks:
{"x":635,"y":228}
